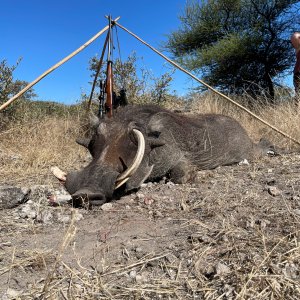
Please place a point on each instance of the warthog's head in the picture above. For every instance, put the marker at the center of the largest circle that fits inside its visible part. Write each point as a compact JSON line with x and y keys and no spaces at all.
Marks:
{"x":118,"y":150}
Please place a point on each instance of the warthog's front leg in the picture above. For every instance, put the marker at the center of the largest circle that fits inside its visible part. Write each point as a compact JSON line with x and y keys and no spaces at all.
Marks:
{"x":183,"y":172}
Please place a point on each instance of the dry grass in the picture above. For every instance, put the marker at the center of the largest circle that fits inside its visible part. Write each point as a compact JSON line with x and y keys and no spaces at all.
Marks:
{"x":28,"y":150}
{"x":283,"y":116}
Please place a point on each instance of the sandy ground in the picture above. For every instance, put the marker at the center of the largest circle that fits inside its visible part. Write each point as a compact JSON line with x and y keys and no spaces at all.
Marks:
{"x":234,"y":234}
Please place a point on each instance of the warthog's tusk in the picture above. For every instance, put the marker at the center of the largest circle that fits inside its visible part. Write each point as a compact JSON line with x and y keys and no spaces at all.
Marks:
{"x":58,"y":173}
{"x":123,"y":177}
{"x":120,"y":183}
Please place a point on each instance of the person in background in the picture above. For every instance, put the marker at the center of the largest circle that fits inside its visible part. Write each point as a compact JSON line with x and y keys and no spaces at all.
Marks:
{"x":295,"y":39}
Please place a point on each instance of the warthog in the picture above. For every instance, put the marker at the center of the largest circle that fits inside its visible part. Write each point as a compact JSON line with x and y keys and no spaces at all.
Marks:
{"x":147,"y":142}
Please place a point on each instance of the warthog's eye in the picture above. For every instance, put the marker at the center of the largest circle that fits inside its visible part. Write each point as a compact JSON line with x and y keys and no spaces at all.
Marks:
{"x":154,"y":134}
{"x":154,"y":139}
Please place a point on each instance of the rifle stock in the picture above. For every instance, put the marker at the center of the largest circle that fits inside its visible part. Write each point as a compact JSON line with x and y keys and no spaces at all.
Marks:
{"x":109,"y":89}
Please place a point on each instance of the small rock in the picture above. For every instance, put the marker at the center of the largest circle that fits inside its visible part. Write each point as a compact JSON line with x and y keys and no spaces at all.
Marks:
{"x":244,"y":162}
{"x":291,"y":271}
{"x":11,"y":196}
{"x":158,"y":214}
{"x":274,"y":191}
{"x":12,"y":294}
{"x":27,"y":211}
{"x":139,"y":253}
{"x":139,"y":278}
{"x":140,"y":196}
{"x":63,"y":218}
{"x":138,"y":249}
{"x":44,"y":216}
{"x":222,"y":269}
{"x":67,"y":217}
{"x":148,"y":200}
{"x":107,"y":206}
{"x":297,"y":212}
{"x":132,"y":274}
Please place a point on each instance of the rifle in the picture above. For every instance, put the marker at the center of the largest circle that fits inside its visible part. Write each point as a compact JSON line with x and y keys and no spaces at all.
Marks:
{"x":101,"y":98}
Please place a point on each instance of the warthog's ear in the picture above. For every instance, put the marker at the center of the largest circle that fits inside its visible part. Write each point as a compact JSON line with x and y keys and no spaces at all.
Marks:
{"x":157,"y":122}
{"x":154,"y":129}
{"x":83,"y":142}
{"x":135,"y":125}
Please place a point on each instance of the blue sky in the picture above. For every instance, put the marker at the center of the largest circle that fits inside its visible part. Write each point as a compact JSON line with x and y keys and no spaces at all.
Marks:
{"x":44,"y":32}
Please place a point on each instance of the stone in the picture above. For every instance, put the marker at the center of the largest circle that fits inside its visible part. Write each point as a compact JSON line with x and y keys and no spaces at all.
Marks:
{"x":274,"y":191}
{"x":140,"y":196}
{"x":244,"y":162}
{"x":132,"y":274}
{"x":44,"y":216}
{"x":107,"y":206}
{"x":297,"y":212}
{"x":222,"y":269}
{"x":11,"y":294}
{"x":27,"y":210}
{"x":11,"y":196}
{"x":67,"y":216}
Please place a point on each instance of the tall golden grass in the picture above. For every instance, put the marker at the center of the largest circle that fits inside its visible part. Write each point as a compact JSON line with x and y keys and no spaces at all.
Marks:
{"x":29,"y":149}
{"x":284,"y":116}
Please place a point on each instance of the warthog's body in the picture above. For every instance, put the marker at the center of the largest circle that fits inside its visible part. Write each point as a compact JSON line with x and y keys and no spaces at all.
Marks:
{"x":175,"y":146}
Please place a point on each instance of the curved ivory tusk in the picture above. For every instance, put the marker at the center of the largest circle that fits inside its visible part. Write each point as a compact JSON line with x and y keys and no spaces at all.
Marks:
{"x":136,"y":162}
{"x":58,"y":173}
{"x":120,"y":183}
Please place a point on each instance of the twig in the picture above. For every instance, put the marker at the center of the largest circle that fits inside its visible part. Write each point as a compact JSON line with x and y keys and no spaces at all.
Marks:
{"x":136,"y":264}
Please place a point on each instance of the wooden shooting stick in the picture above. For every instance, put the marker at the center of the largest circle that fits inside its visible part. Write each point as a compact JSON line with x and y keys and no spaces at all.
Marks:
{"x":97,"y":73}
{"x":109,"y":74}
{"x":25,"y":89}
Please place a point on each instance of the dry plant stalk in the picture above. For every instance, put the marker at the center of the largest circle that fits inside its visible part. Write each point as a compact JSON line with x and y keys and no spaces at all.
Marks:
{"x":69,"y":235}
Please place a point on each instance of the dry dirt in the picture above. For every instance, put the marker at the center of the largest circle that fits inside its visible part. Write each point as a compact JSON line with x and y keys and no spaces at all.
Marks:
{"x":232,"y":235}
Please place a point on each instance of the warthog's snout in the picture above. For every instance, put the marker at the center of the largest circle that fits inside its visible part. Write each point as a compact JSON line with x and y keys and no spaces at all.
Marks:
{"x":87,"y":196}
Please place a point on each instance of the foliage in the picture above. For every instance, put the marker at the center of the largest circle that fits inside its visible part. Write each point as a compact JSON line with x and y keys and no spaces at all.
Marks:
{"x":237,"y":45}
{"x":10,"y":87}
{"x":25,"y":109}
{"x":140,"y":83}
